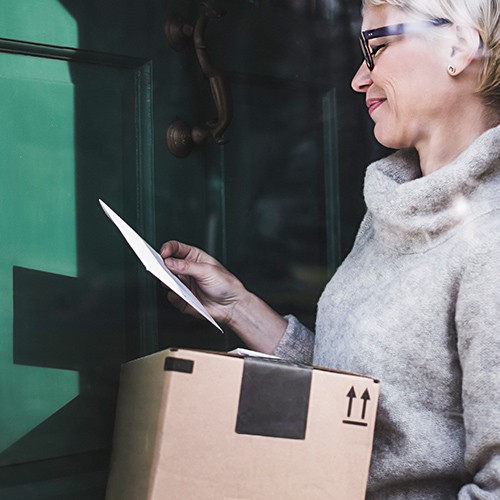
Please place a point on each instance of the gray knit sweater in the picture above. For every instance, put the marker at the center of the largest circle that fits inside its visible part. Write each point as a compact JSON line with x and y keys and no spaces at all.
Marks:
{"x":416,"y":304}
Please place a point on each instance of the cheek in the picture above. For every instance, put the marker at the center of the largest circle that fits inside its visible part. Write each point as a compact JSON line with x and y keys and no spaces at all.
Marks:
{"x":396,"y":123}
{"x":409,"y":93}
{"x":423,"y":81}
{"x":395,"y":93}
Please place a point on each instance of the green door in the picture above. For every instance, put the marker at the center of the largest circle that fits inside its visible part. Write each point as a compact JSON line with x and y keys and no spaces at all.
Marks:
{"x":87,"y":92}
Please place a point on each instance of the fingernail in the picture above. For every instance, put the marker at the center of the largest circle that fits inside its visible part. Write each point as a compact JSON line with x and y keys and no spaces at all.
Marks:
{"x":171,"y":262}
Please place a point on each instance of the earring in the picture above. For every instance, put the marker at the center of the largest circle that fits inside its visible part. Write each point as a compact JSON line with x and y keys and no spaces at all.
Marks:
{"x":452,"y":70}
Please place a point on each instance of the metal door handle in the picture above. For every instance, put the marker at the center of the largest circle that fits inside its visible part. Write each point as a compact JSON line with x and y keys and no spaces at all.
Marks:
{"x":181,"y":138}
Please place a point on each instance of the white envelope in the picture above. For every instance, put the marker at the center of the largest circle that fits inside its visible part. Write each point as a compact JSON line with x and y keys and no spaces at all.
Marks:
{"x":154,"y":264}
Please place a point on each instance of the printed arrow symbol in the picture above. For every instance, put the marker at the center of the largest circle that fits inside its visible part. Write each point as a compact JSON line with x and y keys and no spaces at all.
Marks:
{"x":365,"y":397}
{"x":351,"y":395}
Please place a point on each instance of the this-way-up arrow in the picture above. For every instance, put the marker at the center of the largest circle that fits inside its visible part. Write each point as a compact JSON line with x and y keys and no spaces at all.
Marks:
{"x":351,"y":395}
{"x":365,"y":397}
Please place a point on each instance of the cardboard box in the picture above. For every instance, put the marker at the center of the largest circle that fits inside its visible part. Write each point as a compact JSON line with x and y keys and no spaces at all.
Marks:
{"x":199,"y":425}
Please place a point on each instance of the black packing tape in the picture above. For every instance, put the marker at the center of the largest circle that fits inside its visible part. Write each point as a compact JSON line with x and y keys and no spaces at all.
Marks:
{"x":274,"y":399}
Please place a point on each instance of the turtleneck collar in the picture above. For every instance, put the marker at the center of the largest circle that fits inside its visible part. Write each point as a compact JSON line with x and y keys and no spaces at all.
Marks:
{"x":411,"y":212}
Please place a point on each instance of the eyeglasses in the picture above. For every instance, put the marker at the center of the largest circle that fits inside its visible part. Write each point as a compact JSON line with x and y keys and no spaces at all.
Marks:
{"x":394,"y":29}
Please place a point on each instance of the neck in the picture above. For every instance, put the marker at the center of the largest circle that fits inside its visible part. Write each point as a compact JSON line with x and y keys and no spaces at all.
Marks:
{"x":444,"y":144}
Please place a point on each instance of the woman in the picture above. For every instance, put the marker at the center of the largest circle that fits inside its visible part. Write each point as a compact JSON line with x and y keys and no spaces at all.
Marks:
{"x":417,"y":301}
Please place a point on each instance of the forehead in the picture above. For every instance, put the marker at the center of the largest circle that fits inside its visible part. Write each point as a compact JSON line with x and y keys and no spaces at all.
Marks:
{"x":383,"y":15}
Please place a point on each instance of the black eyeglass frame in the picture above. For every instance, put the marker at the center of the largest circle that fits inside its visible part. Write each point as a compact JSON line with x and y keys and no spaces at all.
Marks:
{"x":392,"y":30}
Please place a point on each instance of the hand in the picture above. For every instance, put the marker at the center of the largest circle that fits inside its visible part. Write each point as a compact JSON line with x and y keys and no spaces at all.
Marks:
{"x":223,"y":296}
{"x":215,"y":287}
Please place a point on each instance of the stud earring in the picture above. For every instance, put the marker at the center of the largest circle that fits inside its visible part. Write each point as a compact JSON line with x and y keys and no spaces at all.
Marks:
{"x":452,"y":70}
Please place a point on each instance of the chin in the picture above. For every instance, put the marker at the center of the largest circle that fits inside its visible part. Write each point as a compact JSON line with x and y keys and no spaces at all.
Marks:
{"x":389,"y":139}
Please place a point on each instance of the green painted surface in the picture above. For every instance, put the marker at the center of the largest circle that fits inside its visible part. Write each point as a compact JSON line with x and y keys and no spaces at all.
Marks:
{"x":276,"y":218}
{"x":37,"y":225}
{"x":332,"y":192}
{"x":40,"y":21}
{"x":72,"y":307}
{"x":69,"y":137}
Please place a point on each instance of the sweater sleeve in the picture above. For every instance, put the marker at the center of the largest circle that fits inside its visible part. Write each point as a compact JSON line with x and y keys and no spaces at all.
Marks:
{"x":478,"y":334}
{"x":297,"y":343}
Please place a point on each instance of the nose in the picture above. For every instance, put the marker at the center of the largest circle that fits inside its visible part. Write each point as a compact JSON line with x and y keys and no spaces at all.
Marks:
{"x":362,"y":79}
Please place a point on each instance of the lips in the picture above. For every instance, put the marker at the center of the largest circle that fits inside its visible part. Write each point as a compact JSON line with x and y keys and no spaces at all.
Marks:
{"x":375,"y":103}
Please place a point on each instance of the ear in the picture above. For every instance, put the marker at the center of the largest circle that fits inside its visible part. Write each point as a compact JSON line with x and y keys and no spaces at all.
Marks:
{"x":465,"y":47}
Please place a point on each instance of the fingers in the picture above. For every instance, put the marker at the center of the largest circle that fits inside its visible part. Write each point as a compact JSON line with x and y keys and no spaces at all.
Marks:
{"x":174,"y":248}
{"x":177,"y":256}
{"x":183,"y":251}
{"x":200,"y":272}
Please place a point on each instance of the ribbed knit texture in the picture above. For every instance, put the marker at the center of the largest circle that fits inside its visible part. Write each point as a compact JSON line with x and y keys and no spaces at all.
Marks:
{"x":416,"y":304}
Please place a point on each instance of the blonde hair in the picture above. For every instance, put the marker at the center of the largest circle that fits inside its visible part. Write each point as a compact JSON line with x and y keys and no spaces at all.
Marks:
{"x":481,"y":15}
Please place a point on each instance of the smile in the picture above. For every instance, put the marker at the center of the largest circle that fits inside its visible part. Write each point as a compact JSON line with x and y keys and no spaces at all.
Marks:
{"x":373,"y":104}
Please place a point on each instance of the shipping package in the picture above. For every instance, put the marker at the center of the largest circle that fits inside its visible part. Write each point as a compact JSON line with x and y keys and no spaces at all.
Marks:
{"x":199,"y":425}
